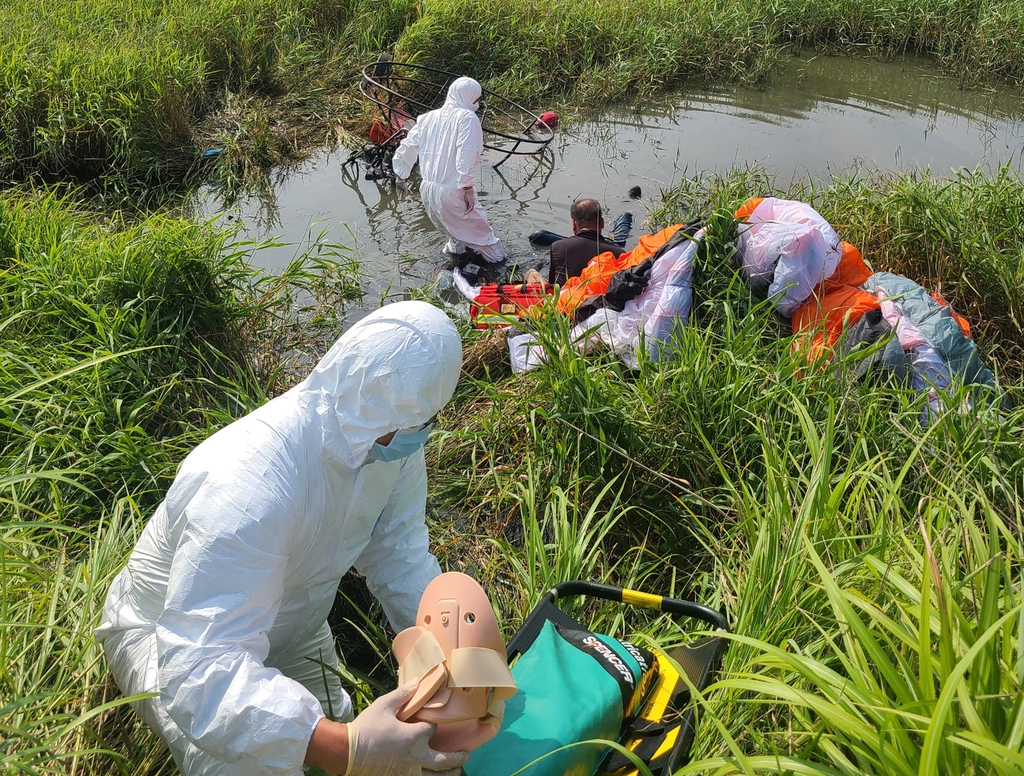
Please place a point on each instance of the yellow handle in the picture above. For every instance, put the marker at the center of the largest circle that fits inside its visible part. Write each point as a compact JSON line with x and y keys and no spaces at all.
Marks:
{"x":646,"y":600}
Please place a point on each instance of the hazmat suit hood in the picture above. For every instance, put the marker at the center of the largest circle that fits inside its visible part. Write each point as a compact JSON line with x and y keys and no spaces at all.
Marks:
{"x":393,"y":370}
{"x":464,"y":93}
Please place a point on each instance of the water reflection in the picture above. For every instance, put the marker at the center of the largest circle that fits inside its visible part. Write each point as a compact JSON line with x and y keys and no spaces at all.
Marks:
{"x":820,"y":116}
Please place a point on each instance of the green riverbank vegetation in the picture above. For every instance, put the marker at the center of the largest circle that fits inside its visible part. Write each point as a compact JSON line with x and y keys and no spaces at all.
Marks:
{"x":135,"y":91}
{"x":871,"y":568}
{"x":123,"y":347}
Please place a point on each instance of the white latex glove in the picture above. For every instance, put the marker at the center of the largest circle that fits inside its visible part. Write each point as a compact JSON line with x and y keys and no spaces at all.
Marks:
{"x":469,"y":197}
{"x":380,"y":745}
{"x":402,"y":187}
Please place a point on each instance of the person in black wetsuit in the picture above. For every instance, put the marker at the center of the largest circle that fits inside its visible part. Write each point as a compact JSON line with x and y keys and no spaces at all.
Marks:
{"x":570,"y":255}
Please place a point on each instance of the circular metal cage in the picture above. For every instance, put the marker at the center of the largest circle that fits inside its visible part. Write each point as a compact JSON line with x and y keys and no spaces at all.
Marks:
{"x":404,"y":91}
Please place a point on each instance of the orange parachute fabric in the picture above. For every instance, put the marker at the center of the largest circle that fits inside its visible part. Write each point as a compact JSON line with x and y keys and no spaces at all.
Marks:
{"x":836,"y":304}
{"x":963,"y":323}
{"x":596,"y":276}
{"x":748,"y":207}
{"x":852,"y":271}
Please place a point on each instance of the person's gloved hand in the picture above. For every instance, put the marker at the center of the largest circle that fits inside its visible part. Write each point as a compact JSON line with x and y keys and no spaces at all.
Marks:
{"x":402,"y":187}
{"x":380,"y":745}
{"x":469,"y":197}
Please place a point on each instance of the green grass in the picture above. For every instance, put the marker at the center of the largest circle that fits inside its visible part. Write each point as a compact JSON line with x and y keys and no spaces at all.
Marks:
{"x":133,"y":91}
{"x":147,"y":332}
{"x":871,"y":568}
{"x":120,"y":87}
{"x":124,"y":346}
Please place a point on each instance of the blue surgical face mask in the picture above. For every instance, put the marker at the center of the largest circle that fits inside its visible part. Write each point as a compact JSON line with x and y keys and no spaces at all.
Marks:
{"x":402,"y":444}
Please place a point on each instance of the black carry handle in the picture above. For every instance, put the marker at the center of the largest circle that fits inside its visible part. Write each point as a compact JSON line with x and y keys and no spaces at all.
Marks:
{"x":547,"y":609}
{"x":522,"y":288}
{"x":677,"y":606}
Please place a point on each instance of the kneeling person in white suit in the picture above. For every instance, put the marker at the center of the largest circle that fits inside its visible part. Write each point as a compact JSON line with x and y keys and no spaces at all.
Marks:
{"x":222,"y":607}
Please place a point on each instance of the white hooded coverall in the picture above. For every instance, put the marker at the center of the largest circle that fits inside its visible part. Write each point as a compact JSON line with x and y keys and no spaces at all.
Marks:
{"x":225,"y":597}
{"x":450,"y":143}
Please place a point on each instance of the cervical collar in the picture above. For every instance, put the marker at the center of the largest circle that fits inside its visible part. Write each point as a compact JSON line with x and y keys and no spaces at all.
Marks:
{"x":456,"y":652}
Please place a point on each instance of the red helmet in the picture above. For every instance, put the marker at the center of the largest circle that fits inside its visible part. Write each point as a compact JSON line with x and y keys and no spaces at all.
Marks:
{"x":548,"y":117}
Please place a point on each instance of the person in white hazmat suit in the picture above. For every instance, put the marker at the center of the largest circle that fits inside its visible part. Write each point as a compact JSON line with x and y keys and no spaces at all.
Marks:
{"x":222,"y":607}
{"x":450,"y":143}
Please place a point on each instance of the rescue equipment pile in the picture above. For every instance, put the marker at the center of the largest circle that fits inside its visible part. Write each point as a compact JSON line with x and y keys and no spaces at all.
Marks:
{"x":631,"y":302}
{"x":837,"y":304}
{"x":580,"y":690}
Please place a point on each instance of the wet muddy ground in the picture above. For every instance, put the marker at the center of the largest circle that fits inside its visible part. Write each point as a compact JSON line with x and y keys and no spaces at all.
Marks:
{"x":820,"y":116}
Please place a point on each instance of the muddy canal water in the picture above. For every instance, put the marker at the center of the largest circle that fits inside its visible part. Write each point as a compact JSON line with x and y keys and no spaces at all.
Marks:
{"x":819,"y":116}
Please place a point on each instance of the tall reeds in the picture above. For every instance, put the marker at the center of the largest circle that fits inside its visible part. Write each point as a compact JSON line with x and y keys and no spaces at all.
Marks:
{"x":123,"y":347}
{"x":136,"y":90}
{"x":119,"y":87}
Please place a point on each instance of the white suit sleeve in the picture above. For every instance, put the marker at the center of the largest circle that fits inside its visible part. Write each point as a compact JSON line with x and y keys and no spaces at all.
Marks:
{"x":406,"y":153}
{"x":469,"y":149}
{"x":226,"y":583}
{"x":397,"y":562}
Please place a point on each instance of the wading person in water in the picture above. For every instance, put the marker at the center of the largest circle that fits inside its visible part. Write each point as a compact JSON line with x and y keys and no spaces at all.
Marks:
{"x":449,"y":144}
{"x":222,"y":608}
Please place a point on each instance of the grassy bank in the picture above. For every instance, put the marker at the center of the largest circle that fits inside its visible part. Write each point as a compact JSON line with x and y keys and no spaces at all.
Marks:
{"x":123,"y":348}
{"x":871,"y":568}
{"x":137,"y":90}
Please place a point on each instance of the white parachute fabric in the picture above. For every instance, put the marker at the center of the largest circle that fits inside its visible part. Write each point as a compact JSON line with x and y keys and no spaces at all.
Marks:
{"x":224,"y":601}
{"x":649,"y":320}
{"x":929,"y":372}
{"x":525,"y":353}
{"x":667,"y":302}
{"x":449,"y":143}
{"x":619,"y":331}
{"x":463,"y":286}
{"x":788,"y":249}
